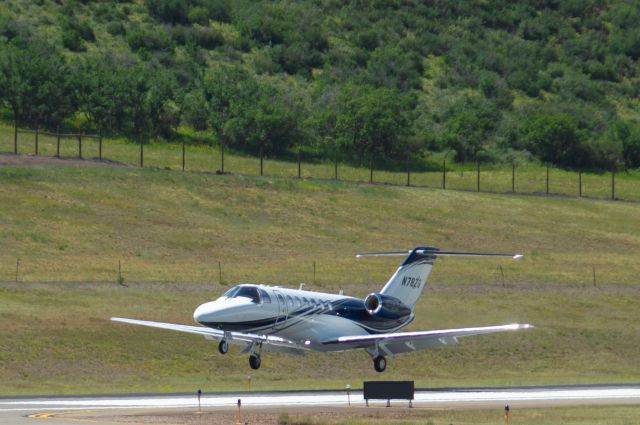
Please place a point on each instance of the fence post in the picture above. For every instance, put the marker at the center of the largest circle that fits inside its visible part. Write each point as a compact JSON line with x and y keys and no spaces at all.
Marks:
{"x":100,"y":147}
{"x":547,"y":179}
{"x":183,"y":156}
{"x":141,"y":153}
{"x":15,"y":137}
{"x":222,"y":157}
{"x":408,"y":176}
{"x":58,"y":142}
{"x":513,"y":178}
{"x":580,"y":183}
{"x":261,"y":159}
{"x":371,"y":169}
{"x":37,"y":129}
{"x":80,"y":146}
{"x":478,"y":183}
{"x":613,"y":183}
{"x":299,"y":163}
{"x":336,"y":168}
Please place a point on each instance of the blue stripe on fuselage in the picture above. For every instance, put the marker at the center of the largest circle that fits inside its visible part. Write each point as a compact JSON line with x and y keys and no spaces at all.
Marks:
{"x":349,"y":309}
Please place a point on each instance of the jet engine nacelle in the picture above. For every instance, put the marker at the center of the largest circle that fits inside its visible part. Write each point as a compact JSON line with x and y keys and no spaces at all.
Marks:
{"x":379,"y":305}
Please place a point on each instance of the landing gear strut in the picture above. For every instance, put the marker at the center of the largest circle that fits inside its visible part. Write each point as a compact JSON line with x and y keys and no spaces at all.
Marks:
{"x":379,"y":363}
{"x":223,"y":347}
{"x":254,"y":361}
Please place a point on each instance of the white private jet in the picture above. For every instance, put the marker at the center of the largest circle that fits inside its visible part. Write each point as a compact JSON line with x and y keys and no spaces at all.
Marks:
{"x":294,"y":321}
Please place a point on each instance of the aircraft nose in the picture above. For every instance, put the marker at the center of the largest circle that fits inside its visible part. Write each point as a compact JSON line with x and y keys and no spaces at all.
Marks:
{"x":203,"y":311}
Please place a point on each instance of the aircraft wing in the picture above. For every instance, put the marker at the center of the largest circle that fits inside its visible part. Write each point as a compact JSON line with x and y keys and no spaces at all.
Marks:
{"x":402,"y":342}
{"x":269,"y":342}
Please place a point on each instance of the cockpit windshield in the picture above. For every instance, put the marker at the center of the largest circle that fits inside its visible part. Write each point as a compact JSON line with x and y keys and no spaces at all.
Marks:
{"x":250,"y":292}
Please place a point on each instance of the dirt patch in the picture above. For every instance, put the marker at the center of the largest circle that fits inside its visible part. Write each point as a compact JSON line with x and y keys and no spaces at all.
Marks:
{"x":32,"y":160}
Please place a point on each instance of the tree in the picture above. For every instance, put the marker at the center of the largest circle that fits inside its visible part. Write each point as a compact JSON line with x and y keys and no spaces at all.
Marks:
{"x":626,"y":136}
{"x":555,"y":138}
{"x":470,"y":125}
{"x":152,"y":110}
{"x":373,"y":122}
{"x":36,"y":84}
{"x":104,"y":86}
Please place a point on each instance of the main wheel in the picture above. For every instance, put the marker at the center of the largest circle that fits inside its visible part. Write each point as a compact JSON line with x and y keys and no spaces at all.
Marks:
{"x":254,"y":361}
{"x":223,"y":347}
{"x":380,"y":364}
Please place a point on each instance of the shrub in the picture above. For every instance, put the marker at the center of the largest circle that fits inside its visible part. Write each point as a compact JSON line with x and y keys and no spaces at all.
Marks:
{"x":198,"y":15}
{"x":219,"y":10}
{"x":72,"y":41}
{"x":206,"y":37}
{"x":115,"y":28}
{"x":147,"y":38}
{"x":169,"y":11}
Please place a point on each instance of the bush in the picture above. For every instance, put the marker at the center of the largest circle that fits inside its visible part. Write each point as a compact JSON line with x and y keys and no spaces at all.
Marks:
{"x":72,"y":41}
{"x":81,"y":28}
{"x":147,"y":38}
{"x":169,"y":11}
{"x":75,"y":32}
{"x":115,"y":28}
{"x":219,"y":10}
{"x":206,"y":37}
{"x":198,"y":15}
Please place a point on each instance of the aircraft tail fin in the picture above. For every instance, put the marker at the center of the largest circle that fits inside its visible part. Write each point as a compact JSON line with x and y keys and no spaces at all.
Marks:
{"x":408,"y":282}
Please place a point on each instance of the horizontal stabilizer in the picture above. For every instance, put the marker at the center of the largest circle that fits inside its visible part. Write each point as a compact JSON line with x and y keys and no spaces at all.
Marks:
{"x":438,"y":253}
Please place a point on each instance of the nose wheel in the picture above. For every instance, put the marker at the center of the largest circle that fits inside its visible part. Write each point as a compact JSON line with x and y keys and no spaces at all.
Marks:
{"x":254,"y":361}
{"x":223,"y":347}
{"x":379,"y":363}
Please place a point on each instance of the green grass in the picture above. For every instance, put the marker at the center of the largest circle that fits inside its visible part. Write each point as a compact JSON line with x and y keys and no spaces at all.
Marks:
{"x":529,"y":177}
{"x":69,"y":226}
{"x":609,"y":415}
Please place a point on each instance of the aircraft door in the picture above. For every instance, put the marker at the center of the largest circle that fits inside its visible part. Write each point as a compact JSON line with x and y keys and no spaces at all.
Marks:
{"x":283,"y":310}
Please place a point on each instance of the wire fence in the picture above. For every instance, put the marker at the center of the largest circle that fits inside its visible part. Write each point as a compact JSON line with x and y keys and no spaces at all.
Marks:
{"x":521,"y":179}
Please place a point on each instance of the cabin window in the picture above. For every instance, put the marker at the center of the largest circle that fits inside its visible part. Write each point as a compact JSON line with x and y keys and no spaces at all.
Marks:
{"x":290,"y":300}
{"x":298,"y":301}
{"x":265,"y":296}
{"x":305,"y":301}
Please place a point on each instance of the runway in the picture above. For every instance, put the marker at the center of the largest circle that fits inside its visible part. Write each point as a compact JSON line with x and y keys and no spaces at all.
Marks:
{"x":63,"y":410}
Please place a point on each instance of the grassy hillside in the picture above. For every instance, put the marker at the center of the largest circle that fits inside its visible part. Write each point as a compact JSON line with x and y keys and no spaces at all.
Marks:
{"x":70,"y":226}
{"x":494,"y":82}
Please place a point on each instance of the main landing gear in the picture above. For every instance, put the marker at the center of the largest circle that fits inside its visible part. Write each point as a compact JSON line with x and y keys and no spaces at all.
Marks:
{"x":254,"y":355}
{"x":379,"y":363}
{"x":254,"y":361}
{"x":223,"y":347}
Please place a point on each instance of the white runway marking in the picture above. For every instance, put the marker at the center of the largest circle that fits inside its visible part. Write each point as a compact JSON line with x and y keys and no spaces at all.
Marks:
{"x":422,"y":398}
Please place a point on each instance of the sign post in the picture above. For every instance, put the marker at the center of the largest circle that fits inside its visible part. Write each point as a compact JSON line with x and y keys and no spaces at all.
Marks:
{"x":239,"y":418}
